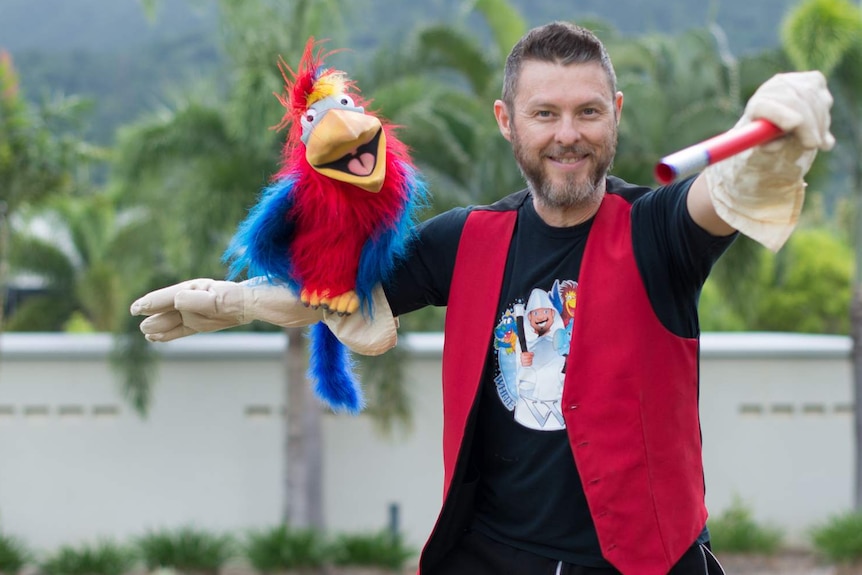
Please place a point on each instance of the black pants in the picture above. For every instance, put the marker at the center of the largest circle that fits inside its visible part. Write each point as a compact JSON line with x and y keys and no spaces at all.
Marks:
{"x":476,"y":554}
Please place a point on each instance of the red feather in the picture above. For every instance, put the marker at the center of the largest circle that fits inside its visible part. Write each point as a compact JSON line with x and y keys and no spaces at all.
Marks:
{"x":298,"y":85}
{"x":328,"y":225}
{"x":334,"y":220}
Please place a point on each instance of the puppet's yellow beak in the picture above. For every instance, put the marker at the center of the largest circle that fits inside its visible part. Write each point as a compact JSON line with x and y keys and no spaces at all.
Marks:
{"x":350,"y":147}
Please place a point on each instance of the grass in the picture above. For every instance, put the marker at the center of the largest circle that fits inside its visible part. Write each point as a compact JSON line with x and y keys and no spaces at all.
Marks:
{"x":104,"y":558}
{"x":13,"y":555}
{"x":282,"y":548}
{"x":839,"y":539}
{"x":371,"y":550}
{"x":186,"y":549}
{"x":736,"y":531}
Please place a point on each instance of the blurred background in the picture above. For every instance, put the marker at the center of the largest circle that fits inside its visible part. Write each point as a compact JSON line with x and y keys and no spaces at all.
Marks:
{"x":135,"y":135}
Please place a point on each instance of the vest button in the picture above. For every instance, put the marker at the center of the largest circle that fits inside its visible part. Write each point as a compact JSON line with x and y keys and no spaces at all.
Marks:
{"x":573,"y":407}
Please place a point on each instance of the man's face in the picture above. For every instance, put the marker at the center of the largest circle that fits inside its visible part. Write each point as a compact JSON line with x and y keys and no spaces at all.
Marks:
{"x":541,"y":319}
{"x":563,"y":130}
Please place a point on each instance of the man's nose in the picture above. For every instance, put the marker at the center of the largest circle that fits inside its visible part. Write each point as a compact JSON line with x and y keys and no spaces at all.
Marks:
{"x":568,"y":131}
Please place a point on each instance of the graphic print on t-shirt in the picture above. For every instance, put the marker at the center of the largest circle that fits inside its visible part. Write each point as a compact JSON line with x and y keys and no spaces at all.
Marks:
{"x":531,"y":341}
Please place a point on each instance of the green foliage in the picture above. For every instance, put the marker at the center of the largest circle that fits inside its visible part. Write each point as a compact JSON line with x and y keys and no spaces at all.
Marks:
{"x":807,"y":285}
{"x":14,"y":555}
{"x":827,"y":35}
{"x":716,"y":312}
{"x":819,"y":33}
{"x":657,"y":121}
{"x":281,"y":548}
{"x":370,"y":550}
{"x":736,"y":531}
{"x":839,"y":539}
{"x":104,"y":558}
{"x":80,"y":248}
{"x":388,"y":398}
{"x":186,"y":549}
{"x":39,"y":147}
{"x":440,"y":83}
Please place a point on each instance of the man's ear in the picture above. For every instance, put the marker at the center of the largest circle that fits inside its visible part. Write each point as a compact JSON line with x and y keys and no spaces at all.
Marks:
{"x":618,"y":106}
{"x":501,"y":112}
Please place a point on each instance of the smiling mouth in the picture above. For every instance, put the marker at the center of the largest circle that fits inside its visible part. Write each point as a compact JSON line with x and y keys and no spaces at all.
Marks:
{"x":567,"y":160}
{"x":360,"y":162}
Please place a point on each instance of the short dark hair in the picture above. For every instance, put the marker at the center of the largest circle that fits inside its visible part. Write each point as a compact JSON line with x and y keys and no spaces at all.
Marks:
{"x":558,"y":42}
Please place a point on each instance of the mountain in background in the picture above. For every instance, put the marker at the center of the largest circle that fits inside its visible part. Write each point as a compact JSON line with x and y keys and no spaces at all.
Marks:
{"x":110,"y":51}
{"x":118,"y":25}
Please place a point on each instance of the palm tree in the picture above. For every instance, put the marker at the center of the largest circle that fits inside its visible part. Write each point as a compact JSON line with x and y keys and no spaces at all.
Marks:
{"x":75,"y":247}
{"x":197,"y":167}
{"x":827,"y":35}
{"x":40,"y":153}
{"x":441,"y":85}
{"x":678,"y":90}
{"x":681,"y":90}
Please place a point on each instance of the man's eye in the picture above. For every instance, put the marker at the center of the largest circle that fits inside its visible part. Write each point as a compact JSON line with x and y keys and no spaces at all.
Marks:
{"x":543,"y":114}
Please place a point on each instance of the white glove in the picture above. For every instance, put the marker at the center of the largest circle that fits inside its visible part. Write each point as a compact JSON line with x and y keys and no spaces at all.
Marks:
{"x":761,"y":190}
{"x":204,"y":305}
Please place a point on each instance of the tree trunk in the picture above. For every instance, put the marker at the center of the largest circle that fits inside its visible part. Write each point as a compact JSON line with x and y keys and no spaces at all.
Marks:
{"x":303,"y":461}
{"x":856,"y":324}
{"x":856,"y":330}
{"x":4,"y":261}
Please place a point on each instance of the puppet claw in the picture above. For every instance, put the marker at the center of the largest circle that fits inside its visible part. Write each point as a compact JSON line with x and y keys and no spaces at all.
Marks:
{"x":344,"y":304}
{"x":313,"y":299}
{"x":305,"y":297}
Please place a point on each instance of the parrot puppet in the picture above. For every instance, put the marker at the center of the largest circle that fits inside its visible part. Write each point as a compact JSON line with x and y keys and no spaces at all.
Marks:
{"x":337,"y":215}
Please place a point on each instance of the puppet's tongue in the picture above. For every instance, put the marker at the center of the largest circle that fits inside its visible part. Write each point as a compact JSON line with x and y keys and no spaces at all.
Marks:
{"x":361,"y":165}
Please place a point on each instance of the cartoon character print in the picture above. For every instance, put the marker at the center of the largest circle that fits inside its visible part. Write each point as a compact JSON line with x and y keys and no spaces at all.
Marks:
{"x":532,"y":342}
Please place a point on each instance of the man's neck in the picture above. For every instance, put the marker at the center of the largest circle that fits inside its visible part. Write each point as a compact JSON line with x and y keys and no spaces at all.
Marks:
{"x":570,"y":216}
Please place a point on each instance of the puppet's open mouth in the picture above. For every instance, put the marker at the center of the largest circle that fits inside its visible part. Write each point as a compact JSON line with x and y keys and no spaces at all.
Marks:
{"x":360,"y":162}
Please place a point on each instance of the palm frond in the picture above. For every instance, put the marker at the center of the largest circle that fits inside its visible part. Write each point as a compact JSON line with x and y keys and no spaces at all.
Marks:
{"x":388,"y":399}
{"x":818,"y":33}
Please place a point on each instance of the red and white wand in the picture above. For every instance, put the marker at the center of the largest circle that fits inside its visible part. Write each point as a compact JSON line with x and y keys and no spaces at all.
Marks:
{"x":696,"y":157}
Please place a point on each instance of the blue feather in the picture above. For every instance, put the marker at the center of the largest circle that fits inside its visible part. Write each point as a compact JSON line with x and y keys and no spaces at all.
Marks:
{"x":331,"y":370}
{"x":259,"y":246}
{"x":380,"y":254}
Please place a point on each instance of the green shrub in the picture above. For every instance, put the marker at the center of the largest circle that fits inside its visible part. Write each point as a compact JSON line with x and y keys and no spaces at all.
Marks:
{"x":735,"y":531}
{"x":370,"y":550}
{"x":840,"y":538}
{"x":13,"y":555}
{"x":104,"y":558}
{"x":282,"y":548}
{"x":186,"y":549}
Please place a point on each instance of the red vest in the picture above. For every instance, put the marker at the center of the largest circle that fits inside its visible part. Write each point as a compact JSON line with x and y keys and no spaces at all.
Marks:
{"x":630,"y":396}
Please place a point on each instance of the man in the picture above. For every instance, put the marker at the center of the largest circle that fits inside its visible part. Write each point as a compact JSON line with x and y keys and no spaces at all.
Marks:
{"x":619,"y":487}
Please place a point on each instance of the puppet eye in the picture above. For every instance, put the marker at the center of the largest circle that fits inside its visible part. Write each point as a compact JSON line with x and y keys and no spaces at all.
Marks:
{"x":346,"y":101}
{"x":310,"y":114}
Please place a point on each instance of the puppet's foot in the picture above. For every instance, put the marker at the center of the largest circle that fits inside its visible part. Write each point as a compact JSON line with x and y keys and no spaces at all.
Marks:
{"x":314,"y":299}
{"x":344,"y":304}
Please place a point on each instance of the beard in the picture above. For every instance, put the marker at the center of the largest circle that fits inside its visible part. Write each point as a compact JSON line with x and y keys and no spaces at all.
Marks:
{"x":575,"y":190}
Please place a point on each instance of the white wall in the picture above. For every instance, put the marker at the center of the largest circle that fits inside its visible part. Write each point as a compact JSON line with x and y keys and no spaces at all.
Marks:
{"x":76,"y":463}
{"x":777,"y":419}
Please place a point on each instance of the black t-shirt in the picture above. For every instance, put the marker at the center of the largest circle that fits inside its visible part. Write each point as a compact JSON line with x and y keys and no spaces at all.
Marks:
{"x":530,"y":495}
